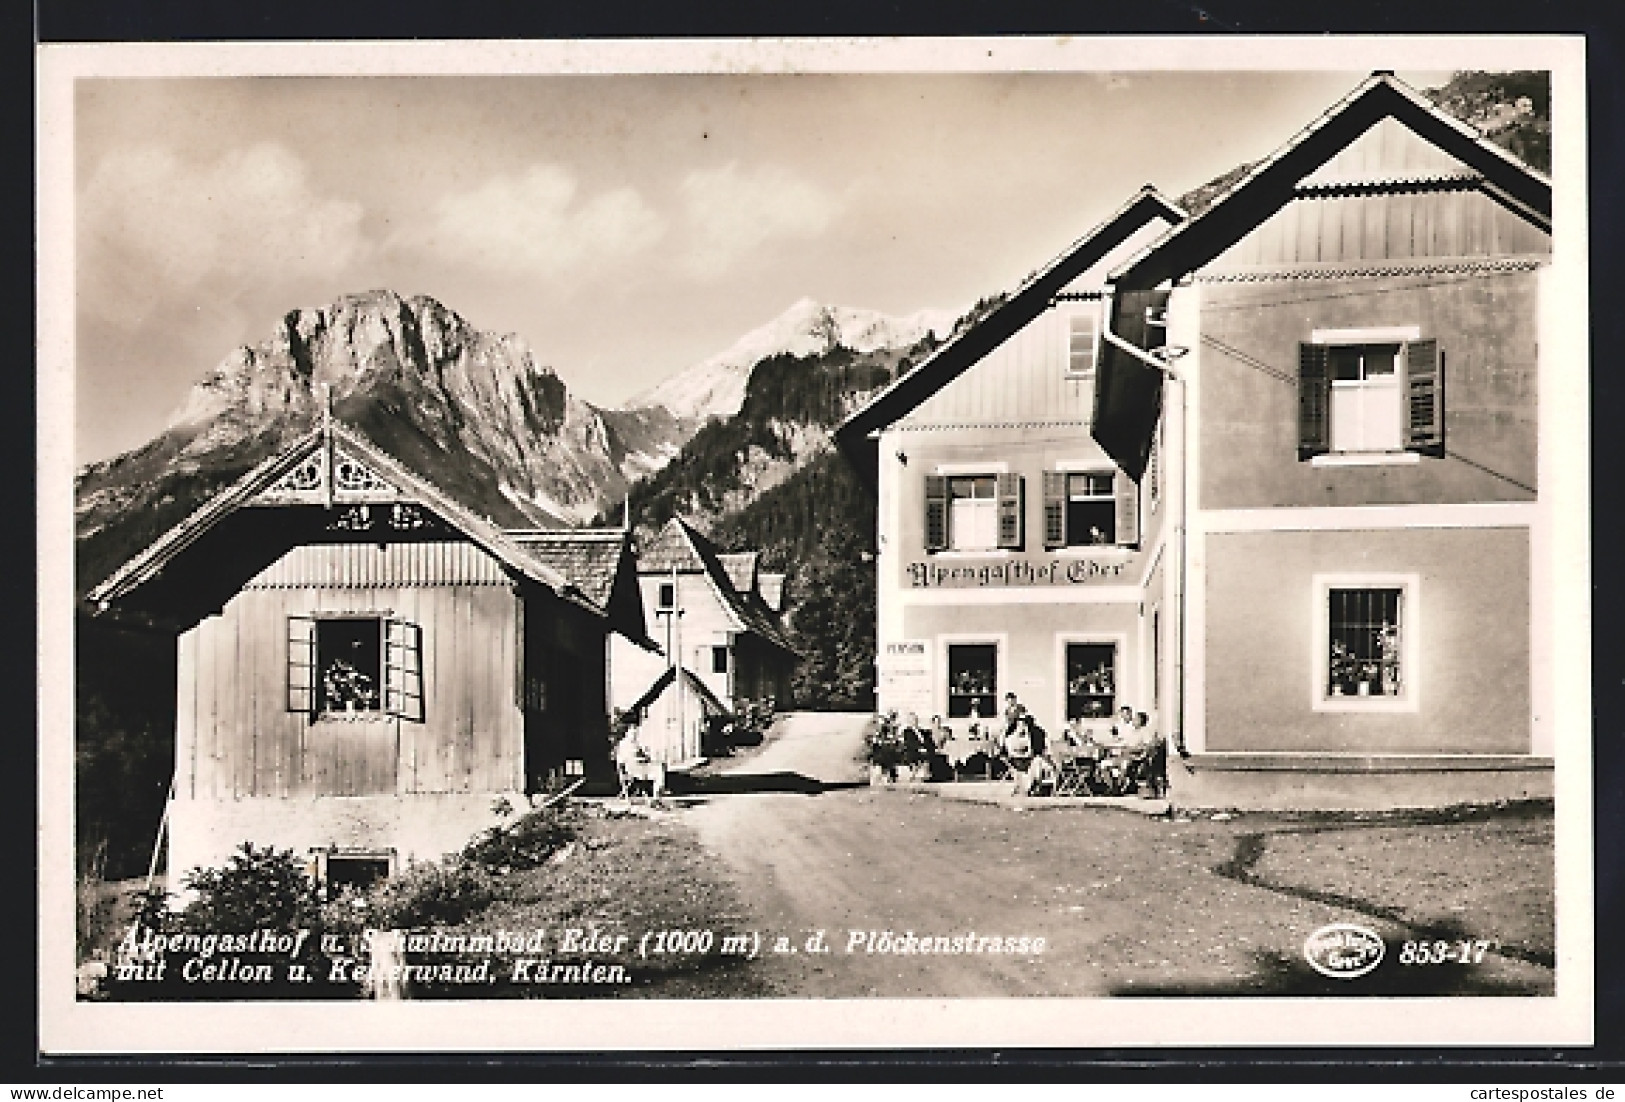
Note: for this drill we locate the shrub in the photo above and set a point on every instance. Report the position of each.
(883, 744)
(256, 888)
(442, 893)
(524, 844)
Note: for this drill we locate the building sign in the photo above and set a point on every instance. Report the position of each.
(1016, 572)
(905, 676)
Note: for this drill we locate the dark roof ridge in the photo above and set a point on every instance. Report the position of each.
(1380, 95)
(480, 530)
(1031, 297)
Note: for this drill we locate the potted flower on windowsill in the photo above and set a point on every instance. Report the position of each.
(1341, 669)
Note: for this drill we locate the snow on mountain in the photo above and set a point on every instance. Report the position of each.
(716, 386)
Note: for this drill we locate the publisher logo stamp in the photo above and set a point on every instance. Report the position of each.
(1343, 950)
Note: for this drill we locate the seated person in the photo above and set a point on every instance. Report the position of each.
(1024, 753)
(1064, 745)
(916, 743)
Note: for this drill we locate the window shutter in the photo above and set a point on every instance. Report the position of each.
(302, 665)
(1314, 401)
(1424, 393)
(519, 651)
(1153, 468)
(1128, 510)
(1011, 500)
(403, 670)
(936, 512)
(1054, 509)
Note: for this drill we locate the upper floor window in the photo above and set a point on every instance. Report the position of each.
(973, 512)
(666, 600)
(355, 665)
(1082, 341)
(1370, 393)
(1090, 509)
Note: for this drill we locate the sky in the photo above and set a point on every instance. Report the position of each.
(625, 225)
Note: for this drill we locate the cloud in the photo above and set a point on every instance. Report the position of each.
(533, 224)
(151, 226)
(733, 212)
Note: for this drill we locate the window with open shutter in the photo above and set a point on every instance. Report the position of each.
(403, 670)
(936, 512)
(1054, 509)
(1424, 393)
(1128, 510)
(1011, 502)
(1314, 401)
(302, 664)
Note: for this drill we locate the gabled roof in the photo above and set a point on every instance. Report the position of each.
(1127, 391)
(673, 548)
(660, 684)
(771, 587)
(484, 534)
(973, 344)
(741, 568)
(681, 547)
(1270, 184)
(589, 557)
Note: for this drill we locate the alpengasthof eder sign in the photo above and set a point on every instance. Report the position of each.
(1016, 572)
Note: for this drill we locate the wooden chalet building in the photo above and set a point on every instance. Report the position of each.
(1331, 587)
(714, 614)
(365, 666)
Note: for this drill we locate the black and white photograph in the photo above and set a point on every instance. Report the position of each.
(811, 543)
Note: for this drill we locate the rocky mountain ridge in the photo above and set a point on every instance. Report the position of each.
(715, 387)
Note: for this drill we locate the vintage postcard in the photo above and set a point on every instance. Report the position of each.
(814, 543)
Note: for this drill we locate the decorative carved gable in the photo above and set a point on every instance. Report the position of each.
(328, 475)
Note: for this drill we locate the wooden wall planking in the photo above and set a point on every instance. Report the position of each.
(186, 716)
(369, 565)
(241, 741)
(1404, 226)
(1024, 380)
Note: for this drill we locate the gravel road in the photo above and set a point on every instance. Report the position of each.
(1125, 904)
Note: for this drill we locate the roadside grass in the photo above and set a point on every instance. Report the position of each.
(624, 872)
(1194, 905)
(1486, 876)
(1454, 875)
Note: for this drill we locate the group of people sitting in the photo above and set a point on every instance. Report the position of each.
(1114, 759)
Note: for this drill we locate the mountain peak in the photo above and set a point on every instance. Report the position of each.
(412, 370)
(716, 386)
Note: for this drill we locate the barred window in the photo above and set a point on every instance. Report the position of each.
(973, 680)
(1364, 651)
(1091, 680)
